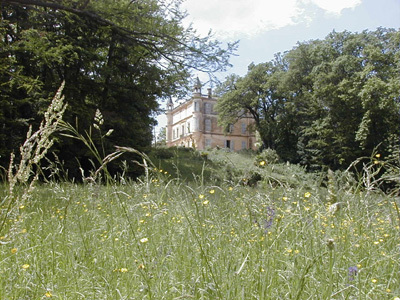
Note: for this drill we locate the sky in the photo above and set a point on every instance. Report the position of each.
(267, 27)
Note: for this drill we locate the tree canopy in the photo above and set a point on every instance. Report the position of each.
(325, 102)
(120, 57)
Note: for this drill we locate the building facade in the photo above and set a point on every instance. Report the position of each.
(194, 123)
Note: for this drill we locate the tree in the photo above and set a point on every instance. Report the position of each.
(325, 102)
(257, 93)
(117, 56)
(162, 137)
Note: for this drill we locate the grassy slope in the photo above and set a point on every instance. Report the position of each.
(168, 238)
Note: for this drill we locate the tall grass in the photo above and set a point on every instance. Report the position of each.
(166, 240)
(267, 230)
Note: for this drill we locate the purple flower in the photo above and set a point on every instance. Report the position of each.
(268, 221)
(353, 271)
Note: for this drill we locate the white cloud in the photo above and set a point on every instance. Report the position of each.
(238, 18)
(336, 6)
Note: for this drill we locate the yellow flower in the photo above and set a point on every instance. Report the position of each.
(201, 196)
(144, 240)
(378, 155)
(141, 266)
(124, 270)
(212, 191)
(307, 195)
(374, 280)
(48, 294)
(262, 163)
(205, 202)
(14, 250)
(25, 266)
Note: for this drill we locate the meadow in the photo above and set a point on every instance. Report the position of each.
(213, 225)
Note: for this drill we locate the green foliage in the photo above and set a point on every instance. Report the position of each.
(267, 156)
(117, 56)
(326, 102)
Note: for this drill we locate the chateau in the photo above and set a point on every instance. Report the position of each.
(194, 123)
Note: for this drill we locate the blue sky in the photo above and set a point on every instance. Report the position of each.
(266, 27)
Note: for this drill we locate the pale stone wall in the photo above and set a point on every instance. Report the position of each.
(195, 124)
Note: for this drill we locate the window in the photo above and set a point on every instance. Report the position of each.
(188, 127)
(244, 128)
(207, 108)
(208, 143)
(207, 125)
(196, 106)
(244, 145)
(229, 128)
(183, 130)
(230, 144)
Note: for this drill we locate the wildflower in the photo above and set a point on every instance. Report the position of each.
(141, 266)
(212, 191)
(14, 250)
(353, 271)
(335, 207)
(330, 243)
(201, 196)
(269, 220)
(48, 294)
(374, 280)
(307, 195)
(144, 240)
(25, 266)
(262, 163)
(123, 270)
(378, 155)
(205, 202)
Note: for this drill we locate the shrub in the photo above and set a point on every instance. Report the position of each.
(267, 156)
